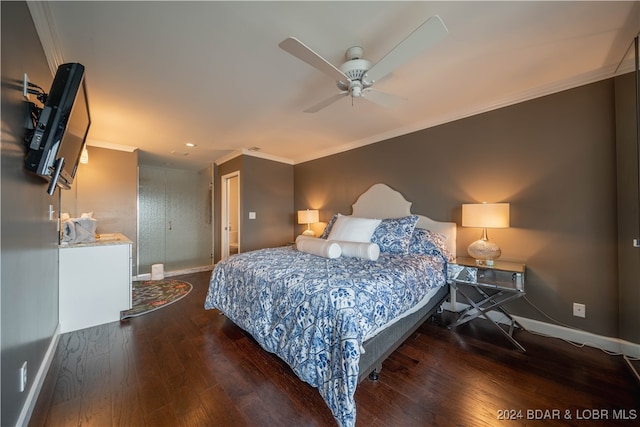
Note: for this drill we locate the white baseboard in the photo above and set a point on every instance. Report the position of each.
(147, 276)
(38, 381)
(576, 336)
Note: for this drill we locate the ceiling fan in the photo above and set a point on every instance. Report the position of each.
(356, 76)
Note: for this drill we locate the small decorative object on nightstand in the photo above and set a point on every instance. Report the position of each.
(308, 217)
(497, 285)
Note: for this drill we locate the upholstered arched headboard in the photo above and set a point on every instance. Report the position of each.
(381, 201)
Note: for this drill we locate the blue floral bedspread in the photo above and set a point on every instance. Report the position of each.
(313, 312)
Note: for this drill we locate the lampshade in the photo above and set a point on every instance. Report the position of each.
(308, 216)
(485, 215)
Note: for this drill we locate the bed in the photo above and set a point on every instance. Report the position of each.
(334, 320)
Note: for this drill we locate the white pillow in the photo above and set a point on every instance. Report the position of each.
(319, 247)
(353, 229)
(368, 251)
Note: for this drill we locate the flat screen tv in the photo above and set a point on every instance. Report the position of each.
(61, 130)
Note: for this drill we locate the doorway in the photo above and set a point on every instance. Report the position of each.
(230, 214)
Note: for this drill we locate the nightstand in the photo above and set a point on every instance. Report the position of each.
(497, 285)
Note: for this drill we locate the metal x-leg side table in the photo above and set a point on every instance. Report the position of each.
(497, 285)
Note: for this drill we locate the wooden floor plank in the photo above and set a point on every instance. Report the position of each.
(186, 366)
(63, 414)
(126, 410)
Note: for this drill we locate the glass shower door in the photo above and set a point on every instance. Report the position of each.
(174, 219)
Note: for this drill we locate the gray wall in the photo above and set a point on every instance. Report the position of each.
(266, 187)
(553, 159)
(108, 187)
(29, 254)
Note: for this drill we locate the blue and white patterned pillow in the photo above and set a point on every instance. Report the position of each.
(327, 229)
(427, 242)
(394, 235)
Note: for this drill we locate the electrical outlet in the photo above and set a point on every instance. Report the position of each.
(23, 377)
(579, 310)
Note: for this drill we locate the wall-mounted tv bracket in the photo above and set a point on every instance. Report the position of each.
(33, 111)
(29, 88)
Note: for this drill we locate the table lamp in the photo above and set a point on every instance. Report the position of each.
(308, 216)
(485, 215)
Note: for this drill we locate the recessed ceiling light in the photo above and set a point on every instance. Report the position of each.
(190, 144)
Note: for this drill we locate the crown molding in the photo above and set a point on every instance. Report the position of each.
(252, 153)
(266, 156)
(110, 145)
(45, 27)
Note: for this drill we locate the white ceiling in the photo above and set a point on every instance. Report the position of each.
(161, 74)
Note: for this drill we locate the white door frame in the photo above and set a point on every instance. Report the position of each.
(224, 217)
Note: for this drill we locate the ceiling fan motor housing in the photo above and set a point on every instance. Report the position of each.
(354, 69)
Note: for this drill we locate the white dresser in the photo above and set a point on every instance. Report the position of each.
(95, 282)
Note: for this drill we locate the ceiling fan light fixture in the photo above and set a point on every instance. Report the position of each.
(356, 89)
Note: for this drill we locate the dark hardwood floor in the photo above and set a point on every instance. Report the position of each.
(186, 366)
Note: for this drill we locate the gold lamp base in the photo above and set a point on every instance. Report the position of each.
(308, 232)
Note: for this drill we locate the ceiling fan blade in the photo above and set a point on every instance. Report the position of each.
(429, 33)
(301, 51)
(382, 98)
(319, 106)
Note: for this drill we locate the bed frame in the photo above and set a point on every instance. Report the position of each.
(381, 201)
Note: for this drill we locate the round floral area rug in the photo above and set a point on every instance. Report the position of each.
(151, 295)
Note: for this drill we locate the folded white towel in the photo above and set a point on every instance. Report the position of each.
(369, 251)
(79, 230)
(319, 247)
(68, 231)
(85, 230)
